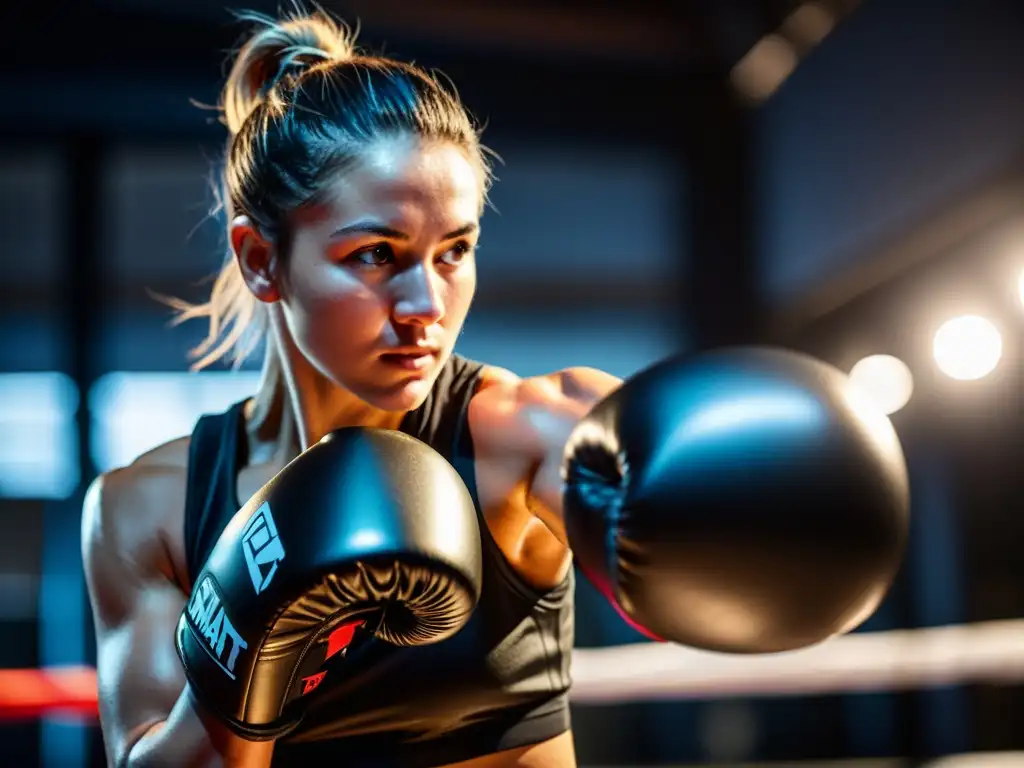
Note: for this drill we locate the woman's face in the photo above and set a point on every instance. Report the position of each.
(380, 277)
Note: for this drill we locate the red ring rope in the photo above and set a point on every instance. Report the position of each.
(987, 652)
(62, 691)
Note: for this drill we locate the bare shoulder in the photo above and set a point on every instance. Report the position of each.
(520, 427)
(532, 416)
(135, 514)
(580, 384)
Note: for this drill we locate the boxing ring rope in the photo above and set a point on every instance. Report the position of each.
(26, 694)
(986, 652)
(990, 652)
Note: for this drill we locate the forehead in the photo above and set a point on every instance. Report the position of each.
(401, 177)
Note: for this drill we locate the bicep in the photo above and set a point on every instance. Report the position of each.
(545, 497)
(135, 611)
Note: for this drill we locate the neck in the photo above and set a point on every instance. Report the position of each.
(295, 407)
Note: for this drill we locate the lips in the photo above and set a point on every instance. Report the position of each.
(410, 361)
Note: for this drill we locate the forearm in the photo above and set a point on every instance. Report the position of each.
(188, 737)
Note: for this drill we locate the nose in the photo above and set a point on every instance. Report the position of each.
(418, 296)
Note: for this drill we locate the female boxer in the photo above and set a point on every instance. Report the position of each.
(354, 187)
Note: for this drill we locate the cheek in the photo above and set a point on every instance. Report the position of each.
(330, 309)
(461, 289)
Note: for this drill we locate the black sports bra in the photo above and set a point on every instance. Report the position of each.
(500, 683)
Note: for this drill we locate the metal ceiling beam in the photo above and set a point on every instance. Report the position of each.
(934, 240)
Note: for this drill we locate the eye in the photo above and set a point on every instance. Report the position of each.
(377, 255)
(457, 253)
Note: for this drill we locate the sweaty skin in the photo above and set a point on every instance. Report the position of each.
(135, 563)
(387, 264)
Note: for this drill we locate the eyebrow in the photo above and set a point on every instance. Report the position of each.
(394, 234)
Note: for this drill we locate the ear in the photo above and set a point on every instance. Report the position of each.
(257, 259)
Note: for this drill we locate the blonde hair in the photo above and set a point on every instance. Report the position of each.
(300, 103)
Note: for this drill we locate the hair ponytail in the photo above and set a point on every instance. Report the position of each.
(279, 52)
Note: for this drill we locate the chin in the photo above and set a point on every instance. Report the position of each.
(407, 395)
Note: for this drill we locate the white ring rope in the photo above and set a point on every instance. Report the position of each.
(990, 652)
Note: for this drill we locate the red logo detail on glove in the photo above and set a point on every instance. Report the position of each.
(312, 682)
(340, 638)
(337, 642)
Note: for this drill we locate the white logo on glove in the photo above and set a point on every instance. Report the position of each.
(262, 547)
(211, 623)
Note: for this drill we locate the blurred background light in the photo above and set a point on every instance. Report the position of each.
(967, 348)
(38, 455)
(885, 379)
(133, 412)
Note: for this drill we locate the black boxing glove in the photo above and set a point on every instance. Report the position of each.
(367, 528)
(744, 500)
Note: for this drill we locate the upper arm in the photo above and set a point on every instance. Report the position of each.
(530, 421)
(135, 603)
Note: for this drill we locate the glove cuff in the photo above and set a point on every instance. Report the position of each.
(266, 732)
